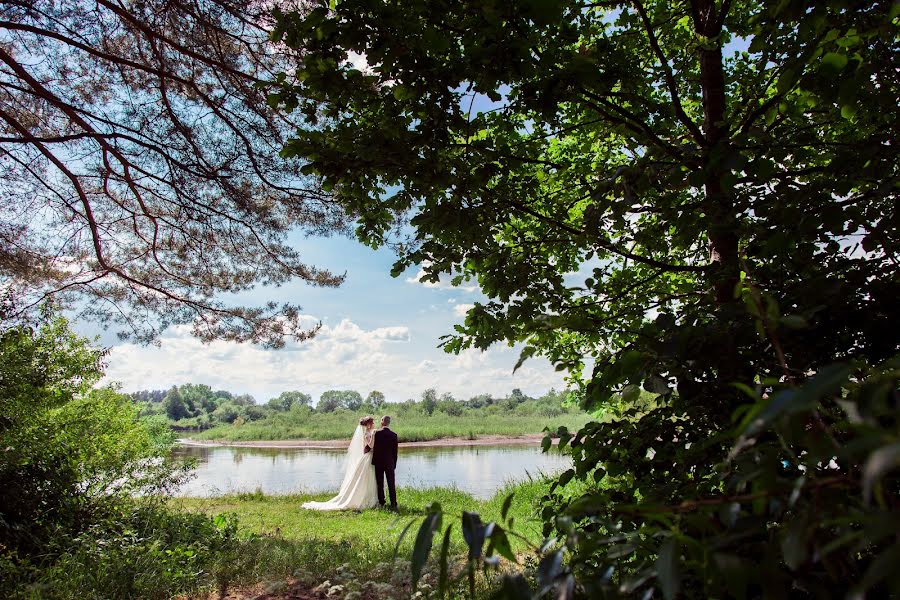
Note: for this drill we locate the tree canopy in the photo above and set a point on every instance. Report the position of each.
(140, 170)
(699, 198)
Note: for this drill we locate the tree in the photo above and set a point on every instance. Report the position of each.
(71, 447)
(333, 399)
(449, 405)
(286, 400)
(244, 400)
(686, 196)
(226, 412)
(375, 399)
(479, 401)
(198, 397)
(176, 407)
(141, 134)
(352, 400)
(429, 401)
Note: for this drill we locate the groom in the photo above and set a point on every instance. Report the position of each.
(384, 457)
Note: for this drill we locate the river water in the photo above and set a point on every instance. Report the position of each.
(478, 470)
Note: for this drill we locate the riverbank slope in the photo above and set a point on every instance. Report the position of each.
(530, 439)
(327, 430)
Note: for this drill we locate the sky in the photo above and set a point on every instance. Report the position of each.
(378, 333)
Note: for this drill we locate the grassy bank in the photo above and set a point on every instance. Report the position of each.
(412, 427)
(355, 550)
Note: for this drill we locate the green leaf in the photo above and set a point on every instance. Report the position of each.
(546, 443)
(794, 322)
(630, 393)
(500, 543)
(548, 570)
(787, 80)
(668, 571)
(443, 577)
(527, 352)
(566, 477)
(879, 462)
(793, 543)
(507, 503)
(657, 385)
(848, 111)
(422, 545)
(473, 533)
(834, 62)
(794, 400)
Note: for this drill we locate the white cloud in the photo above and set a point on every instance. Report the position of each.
(359, 62)
(343, 356)
(443, 284)
(460, 310)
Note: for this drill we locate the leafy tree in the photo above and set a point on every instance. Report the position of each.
(286, 400)
(479, 401)
(198, 397)
(375, 399)
(254, 413)
(449, 405)
(147, 211)
(352, 400)
(176, 407)
(686, 196)
(429, 401)
(226, 412)
(244, 400)
(331, 400)
(71, 449)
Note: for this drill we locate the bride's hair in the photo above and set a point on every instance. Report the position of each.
(366, 420)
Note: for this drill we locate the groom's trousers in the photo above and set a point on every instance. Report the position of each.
(380, 474)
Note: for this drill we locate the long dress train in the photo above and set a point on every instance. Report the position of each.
(358, 490)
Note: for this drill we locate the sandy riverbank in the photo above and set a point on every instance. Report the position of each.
(532, 439)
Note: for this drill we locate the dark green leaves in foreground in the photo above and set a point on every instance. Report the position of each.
(422, 547)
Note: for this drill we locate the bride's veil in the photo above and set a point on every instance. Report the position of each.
(354, 453)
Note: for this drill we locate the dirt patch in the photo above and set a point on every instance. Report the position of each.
(287, 590)
(531, 439)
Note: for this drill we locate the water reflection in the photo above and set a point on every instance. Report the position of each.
(478, 470)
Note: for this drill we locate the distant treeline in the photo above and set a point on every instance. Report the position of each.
(198, 406)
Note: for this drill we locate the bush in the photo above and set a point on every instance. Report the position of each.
(75, 459)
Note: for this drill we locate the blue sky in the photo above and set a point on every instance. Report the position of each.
(378, 332)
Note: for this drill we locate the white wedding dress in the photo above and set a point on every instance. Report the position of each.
(358, 490)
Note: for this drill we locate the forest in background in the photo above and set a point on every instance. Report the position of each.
(199, 411)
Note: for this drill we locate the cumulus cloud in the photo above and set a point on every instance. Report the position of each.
(443, 284)
(460, 310)
(342, 356)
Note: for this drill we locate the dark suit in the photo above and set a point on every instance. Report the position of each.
(384, 457)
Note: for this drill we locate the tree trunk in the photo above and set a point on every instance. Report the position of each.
(718, 202)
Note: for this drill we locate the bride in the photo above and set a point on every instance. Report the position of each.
(358, 489)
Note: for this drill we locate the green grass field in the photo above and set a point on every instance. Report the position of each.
(411, 427)
(356, 549)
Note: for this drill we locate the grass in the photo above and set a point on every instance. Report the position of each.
(356, 549)
(411, 427)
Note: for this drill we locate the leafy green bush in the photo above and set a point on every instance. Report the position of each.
(80, 475)
(802, 501)
(140, 550)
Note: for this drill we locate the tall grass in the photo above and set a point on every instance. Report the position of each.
(411, 427)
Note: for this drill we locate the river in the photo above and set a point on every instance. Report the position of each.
(478, 470)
